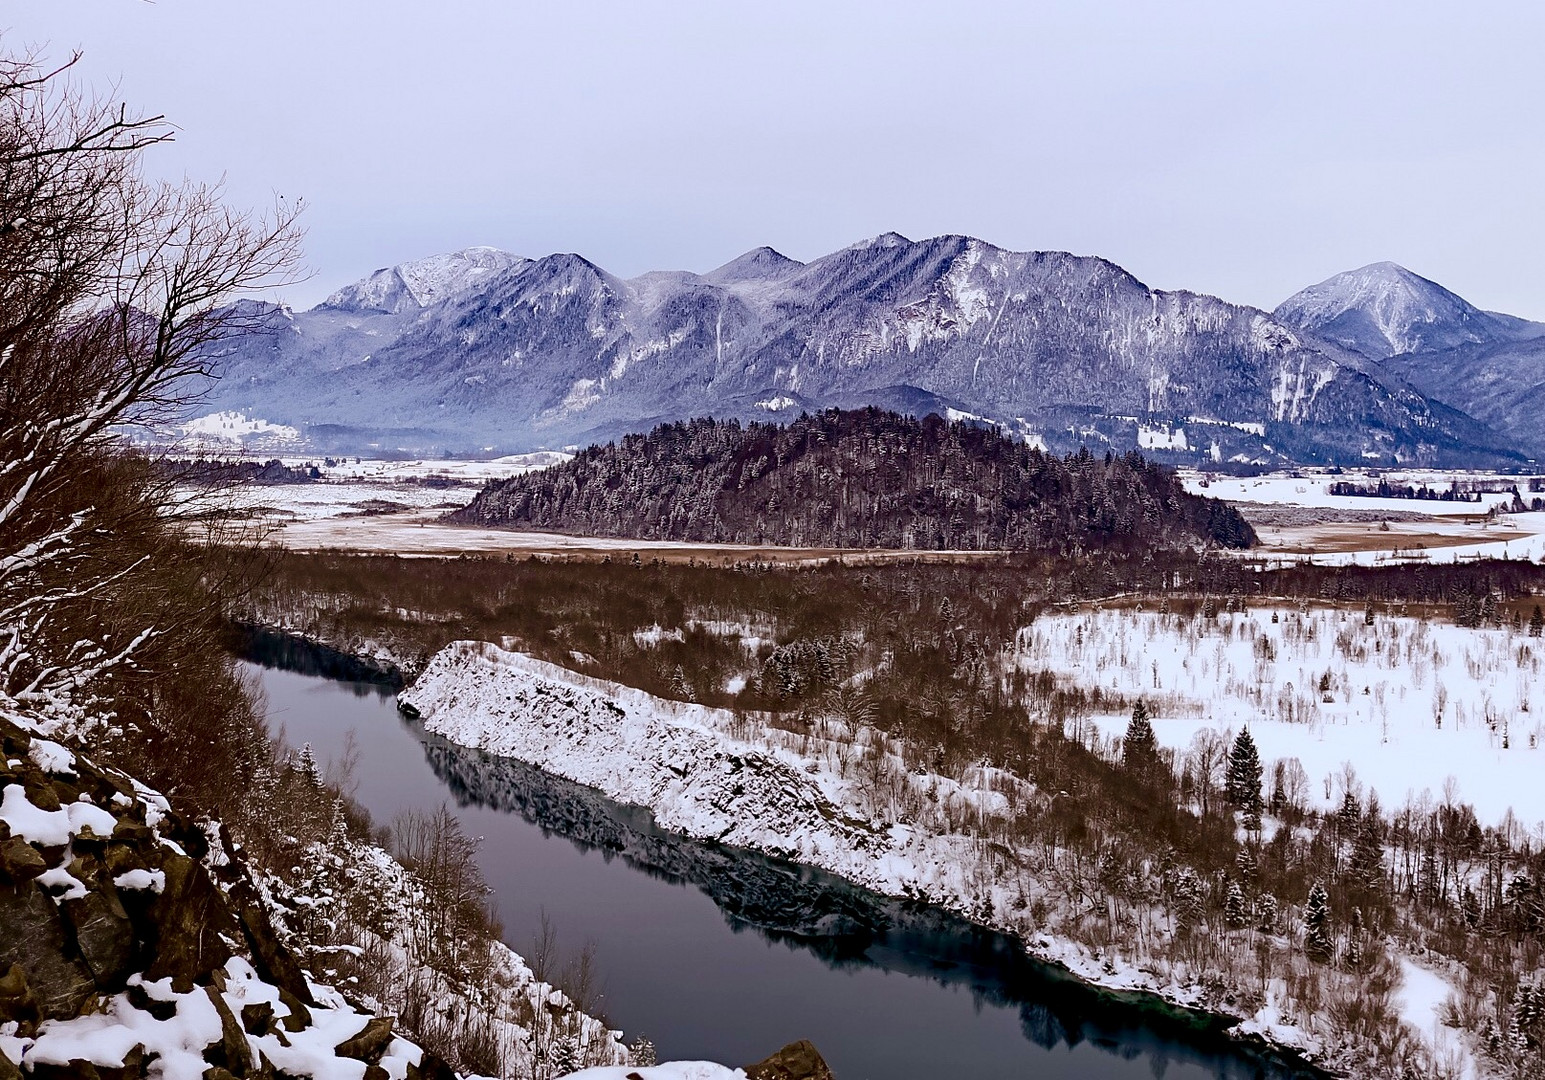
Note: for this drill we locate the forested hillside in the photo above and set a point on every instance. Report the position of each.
(857, 479)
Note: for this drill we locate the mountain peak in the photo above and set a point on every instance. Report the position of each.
(1383, 309)
(758, 263)
(413, 285)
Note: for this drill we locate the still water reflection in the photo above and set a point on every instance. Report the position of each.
(724, 955)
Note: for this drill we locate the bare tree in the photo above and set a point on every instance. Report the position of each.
(111, 289)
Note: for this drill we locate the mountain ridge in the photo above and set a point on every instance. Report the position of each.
(1061, 349)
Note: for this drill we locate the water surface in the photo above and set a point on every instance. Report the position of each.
(723, 955)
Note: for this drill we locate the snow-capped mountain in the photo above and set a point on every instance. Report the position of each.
(492, 351)
(1384, 309)
(414, 285)
(1486, 364)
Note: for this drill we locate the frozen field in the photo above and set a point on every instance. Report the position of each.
(1413, 707)
(1369, 531)
(355, 489)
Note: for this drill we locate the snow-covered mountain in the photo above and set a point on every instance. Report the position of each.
(1483, 363)
(487, 351)
(414, 285)
(1383, 309)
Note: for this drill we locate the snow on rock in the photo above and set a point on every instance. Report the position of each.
(1407, 702)
(178, 1042)
(51, 757)
(675, 758)
(142, 880)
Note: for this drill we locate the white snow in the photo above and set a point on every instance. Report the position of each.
(1162, 437)
(178, 1043)
(228, 429)
(51, 757)
(48, 828)
(1389, 684)
(142, 880)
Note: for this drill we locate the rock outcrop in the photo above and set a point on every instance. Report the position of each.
(133, 941)
(796, 1061)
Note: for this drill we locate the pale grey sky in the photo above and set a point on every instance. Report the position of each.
(1241, 148)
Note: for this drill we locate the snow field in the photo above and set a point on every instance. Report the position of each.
(1418, 709)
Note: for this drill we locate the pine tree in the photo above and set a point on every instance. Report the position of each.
(1139, 750)
(1266, 914)
(1354, 953)
(1318, 943)
(642, 1053)
(1537, 622)
(1244, 775)
(1367, 863)
(1235, 911)
(1245, 863)
(1187, 891)
(567, 1057)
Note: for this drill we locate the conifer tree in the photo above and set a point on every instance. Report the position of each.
(1318, 943)
(1266, 913)
(1235, 911)
(1244, 775)
(1537, 622)
(1139, 750)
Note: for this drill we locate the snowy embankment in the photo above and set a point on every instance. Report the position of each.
(1416, 709)
(829, 802)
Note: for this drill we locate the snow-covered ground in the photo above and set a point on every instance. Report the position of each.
(1308, 487)
(1417, 530)
(349, 487)
(226, 431)
(1411, 705)
(838, 800)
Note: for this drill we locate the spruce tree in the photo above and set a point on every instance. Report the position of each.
(1140, 750)
(1318, 943)
(1537, 622)
(1244, 775)
(1235, 912)
(1266, 914)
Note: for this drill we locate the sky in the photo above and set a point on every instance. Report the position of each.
(1244, 149)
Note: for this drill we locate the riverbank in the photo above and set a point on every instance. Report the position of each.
(723, 779)
(711, 950)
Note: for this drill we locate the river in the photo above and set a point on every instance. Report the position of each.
(722, 955)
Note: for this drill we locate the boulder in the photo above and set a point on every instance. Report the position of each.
(191, 925)
(796, 1061)
(103, 934)
(370, 1043)
(33, 936)
(17, 1005)
(232, 1052)
(20, 861)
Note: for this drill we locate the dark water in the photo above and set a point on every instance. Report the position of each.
(724, 955)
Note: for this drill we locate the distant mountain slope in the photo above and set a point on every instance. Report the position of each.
(1487, 365)
(859, 479)
(1383, 309)
(1063, 350)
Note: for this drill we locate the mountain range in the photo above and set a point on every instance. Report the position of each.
(487, 352)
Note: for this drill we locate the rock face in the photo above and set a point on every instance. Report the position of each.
(1062, 350)
(796, 1061)
(112, 904)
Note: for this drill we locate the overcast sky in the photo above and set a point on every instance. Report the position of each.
(1240, 148)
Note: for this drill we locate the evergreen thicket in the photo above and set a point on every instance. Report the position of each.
(858, 479)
